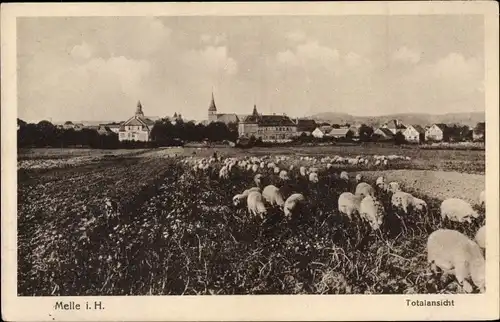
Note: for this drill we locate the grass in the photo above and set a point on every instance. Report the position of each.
(173, 231)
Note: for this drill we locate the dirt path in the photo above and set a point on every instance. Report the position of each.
(437, 184)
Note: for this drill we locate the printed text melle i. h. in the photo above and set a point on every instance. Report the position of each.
(96, 305)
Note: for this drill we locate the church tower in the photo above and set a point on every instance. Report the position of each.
(212, 110)
(138, 111)
(254, 113)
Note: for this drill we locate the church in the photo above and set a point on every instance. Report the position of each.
(224, 118)
(136, 128)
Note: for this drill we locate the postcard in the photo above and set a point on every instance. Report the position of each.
(250, 161)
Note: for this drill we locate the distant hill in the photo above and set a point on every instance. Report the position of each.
(470, 119)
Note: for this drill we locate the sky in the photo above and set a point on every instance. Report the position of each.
(97, 68)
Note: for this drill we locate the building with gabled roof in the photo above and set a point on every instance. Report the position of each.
(269, 128)
(435, 132)
(225, 118)
(394, 126)
(384, 133)
(136, 128)
(414, 133)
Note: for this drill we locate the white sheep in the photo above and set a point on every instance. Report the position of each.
(224, 173)
(258, 179)
(359, 177)
(364, 189)
(328, 166)
(313, 177)
(273, 195)
(394, 187)
(480, 237)
(291, 167)
(255, 167)
(237, 199)
(344, 176)
(262, 165)
(380, 181)
(292, 203)
(420, 205)
(313, 170)
(403, 200)
(455, 253)
(349, 204)
(372, 211)
(283, 175)
(458, 210)
(271, 165)
(255, 204)
(276, 170)
(377, 162)
(302, 171)
(482, 199)
(386, 162)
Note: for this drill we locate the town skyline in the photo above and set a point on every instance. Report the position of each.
(98, 68)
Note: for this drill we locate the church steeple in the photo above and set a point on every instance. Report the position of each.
(138, 111)
(254, 113)
(212, 107)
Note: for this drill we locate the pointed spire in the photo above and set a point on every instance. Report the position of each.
(212, 107)
(138, 111)
(255, 110)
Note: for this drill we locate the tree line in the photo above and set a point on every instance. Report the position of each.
(167, 133)
(163, 133)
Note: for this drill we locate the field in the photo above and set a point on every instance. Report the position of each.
(147, 224)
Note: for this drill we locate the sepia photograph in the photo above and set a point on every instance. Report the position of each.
(251, 154)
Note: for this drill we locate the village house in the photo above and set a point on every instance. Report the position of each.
(414, 133)
(225, 118)
(384, 133)
(394, 126)
(305, 126)
(268, 128)
(114, 127)
(320, 132)
(136, 128)
(435, 132)
(338, 133)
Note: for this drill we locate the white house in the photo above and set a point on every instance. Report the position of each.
(136, 128)
(413, 133)
(319, 133)
(435, 132)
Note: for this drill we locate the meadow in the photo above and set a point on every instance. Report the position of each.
(147, 224)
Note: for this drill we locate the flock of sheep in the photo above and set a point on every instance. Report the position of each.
(449, 250)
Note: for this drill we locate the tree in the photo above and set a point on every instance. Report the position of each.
(480, 131)
(349, 135)
(399, 138)
(365, 133)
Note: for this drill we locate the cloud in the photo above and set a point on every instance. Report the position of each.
(296, 36)
(355, 60)
(308, 55)
(213, 39)
(82, 51)
(212, 60)
(406, 55)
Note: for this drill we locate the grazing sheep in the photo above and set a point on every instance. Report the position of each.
(273, 196)
(455, 253)
(302, 171)
(482, 199)
(283, 175)
(480, 237)
(313, 170)
(377, 162)
(402, 200)
(262, 165)
(237, 199)
(328, 166)
(258, 179)
(255, 204)
(380, 181)
(349, 204)
(249, 167)
(458, 210)
(359, 177)
(372, 211)
(313, 177)
(291, 167)
(420, 205)
(386, 162)
(255, 167)
(276, 170)
(224, 173)
(364, 189)
(344, 176)
(394, 187)
(271, 165)
(292, 203)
